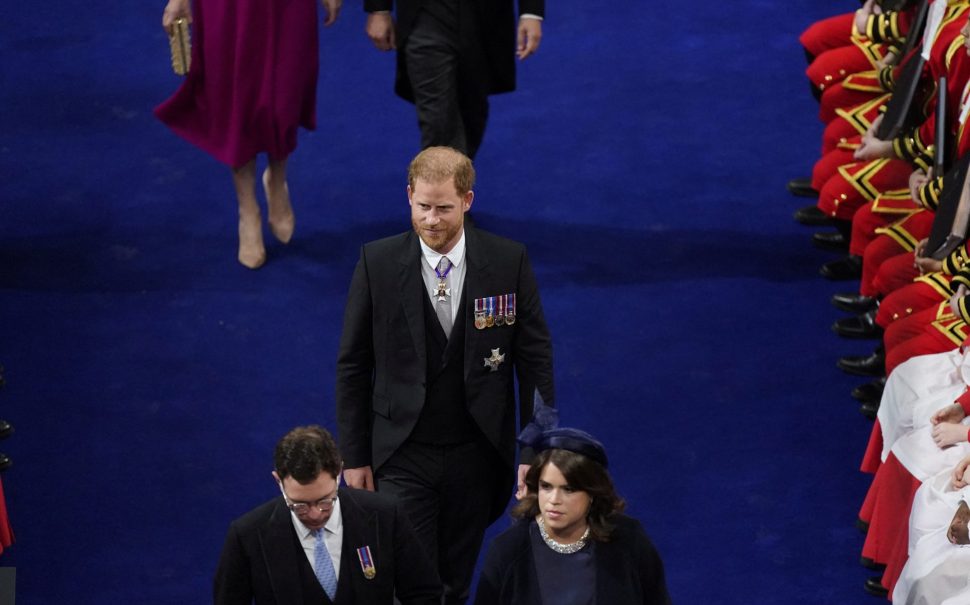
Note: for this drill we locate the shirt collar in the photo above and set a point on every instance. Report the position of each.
(334, 523)
(455, 256)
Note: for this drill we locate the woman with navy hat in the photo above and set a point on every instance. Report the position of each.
(571, 545)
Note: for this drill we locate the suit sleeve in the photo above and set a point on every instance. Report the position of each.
(415, 579)
(533, 349)
(372, 6)
(532, 7)
(233, 584)
(355, 372)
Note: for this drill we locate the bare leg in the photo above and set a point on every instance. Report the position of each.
(282, 221)
(252, 254)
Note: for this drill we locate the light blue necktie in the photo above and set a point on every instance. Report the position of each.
(323, 566)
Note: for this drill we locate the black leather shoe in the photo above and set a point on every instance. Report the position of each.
(812, 216)
(5, 462)
(831, 241)
(869, 409)
(848, 267)
(864, 365)
(860, 326)
(874, 587)
(850, 302)
(870, 392)
(6, 429)
(801, 188)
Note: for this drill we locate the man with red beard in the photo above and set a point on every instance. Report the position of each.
(439, 323)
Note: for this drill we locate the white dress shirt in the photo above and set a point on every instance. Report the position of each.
(333, 537)
(455, 278)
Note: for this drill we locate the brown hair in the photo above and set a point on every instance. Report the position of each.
(439, 164)
(583, 474)
(305, 452)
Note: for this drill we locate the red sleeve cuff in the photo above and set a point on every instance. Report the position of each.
(964, 402)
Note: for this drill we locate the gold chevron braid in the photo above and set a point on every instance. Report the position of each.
(861, 180)
(900, 235)
(180, 44)
(858, 115)
(939, 284)
(953, 329)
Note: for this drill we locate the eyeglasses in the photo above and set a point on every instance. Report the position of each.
(324, 505)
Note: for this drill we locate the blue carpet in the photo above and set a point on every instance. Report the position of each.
(642, 160)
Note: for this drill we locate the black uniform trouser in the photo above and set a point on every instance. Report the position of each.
(447, 492)
(448, 75)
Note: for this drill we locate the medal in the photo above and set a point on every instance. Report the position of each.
(490, 315)
(510, 311)
(480, 313)
(442, 291)
(500, 317)
(493, 362)
(366, 562)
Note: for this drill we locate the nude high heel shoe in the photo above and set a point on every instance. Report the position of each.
(282, 221)
(252, 253)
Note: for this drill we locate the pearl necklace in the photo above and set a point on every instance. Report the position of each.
(563, 549)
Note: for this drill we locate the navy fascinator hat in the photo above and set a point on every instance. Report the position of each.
(544, 433)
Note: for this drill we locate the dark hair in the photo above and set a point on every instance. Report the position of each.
(305, 452)
(583, 474)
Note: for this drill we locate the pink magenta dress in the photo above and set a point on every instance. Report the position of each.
(252, 80)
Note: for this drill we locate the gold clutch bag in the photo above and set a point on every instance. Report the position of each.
(181, 45)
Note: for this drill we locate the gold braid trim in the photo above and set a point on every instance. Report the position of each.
(938, 282)
(956, 260)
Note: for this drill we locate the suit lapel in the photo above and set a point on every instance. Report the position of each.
(280, 553)
(360, 529)
(411, 286)
(477, 278)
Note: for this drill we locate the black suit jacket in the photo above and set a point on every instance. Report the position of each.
(262, 560)
(493, 20)
(381, 366)
(628, 569)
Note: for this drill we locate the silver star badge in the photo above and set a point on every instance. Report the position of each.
(493, 362)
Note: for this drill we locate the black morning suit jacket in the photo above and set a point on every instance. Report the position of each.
(495, 19)
(263, 562)
(628, 569)
(382, 367)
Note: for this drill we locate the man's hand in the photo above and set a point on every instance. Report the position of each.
(529, 35)
(380, 30)
(922, 262)
(873, 148)
(175, 9)
(917, 180)
(359, 478)
(926, 265)
(862, 15)
(332, 9)
(886, 61)
(959, 478)
(955, 299)
(520, 488)
(957, 534)
(951, 413)
(948, 433)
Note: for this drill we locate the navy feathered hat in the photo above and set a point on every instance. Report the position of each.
(544, 433)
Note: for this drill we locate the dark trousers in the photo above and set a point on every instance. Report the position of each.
(446, 491)
(449, 79)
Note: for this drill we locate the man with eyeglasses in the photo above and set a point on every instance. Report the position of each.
(320, 543)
